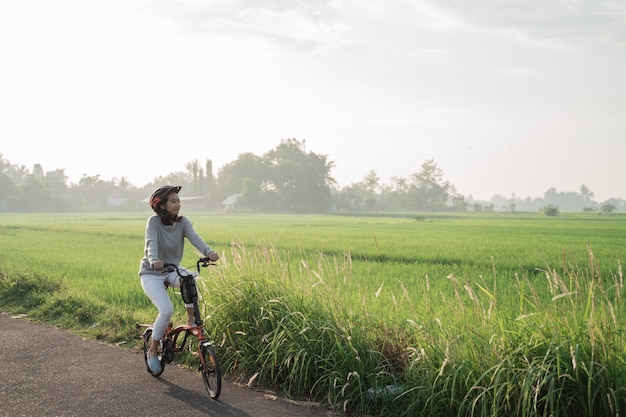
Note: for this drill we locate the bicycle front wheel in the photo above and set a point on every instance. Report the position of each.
(210, 368)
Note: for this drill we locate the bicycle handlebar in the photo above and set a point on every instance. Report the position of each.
(201, 263)
(204, 262)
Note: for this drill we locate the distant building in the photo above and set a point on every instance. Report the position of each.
(116, 199)
(232, 202)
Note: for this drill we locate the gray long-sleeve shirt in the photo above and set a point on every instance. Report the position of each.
(167, 243)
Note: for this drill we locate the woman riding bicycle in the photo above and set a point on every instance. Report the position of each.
(165, 241)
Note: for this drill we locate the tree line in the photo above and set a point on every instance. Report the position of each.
(287, 178)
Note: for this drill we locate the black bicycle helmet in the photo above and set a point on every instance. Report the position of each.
(160, 194)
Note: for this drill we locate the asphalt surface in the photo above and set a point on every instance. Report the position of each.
(47, 371)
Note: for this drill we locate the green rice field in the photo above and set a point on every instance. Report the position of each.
(383, 314)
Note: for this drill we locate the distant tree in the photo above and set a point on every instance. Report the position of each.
(607, 208)
(511, 207)
(195, 172)
(42, 191)
(92, 191)
(230, 177)
(458, 202)
(55, 182)
(175, 178)
(350, 197)
(395, 196)
(122, 183)
(551, 210)
(371, 182)
(33, 196)
(7, 187)
(210, 181)
(585, 193)
(618, 203)
(301, 179)
(372, 187)
(569, 201)
(250, 193)
(38, 171)
(428, 191)
(362, 195)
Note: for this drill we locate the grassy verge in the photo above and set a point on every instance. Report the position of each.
(556, 349)
(46, 300)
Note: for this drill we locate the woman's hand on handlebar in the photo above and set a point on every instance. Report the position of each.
(213, 256)
(157, 265)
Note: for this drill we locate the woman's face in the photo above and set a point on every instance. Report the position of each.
(172, 205)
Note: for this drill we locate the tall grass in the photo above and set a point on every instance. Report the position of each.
(557, 349)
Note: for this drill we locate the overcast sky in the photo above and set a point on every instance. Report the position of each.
(506, 96)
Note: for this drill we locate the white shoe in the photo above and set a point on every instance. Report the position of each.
(154, 364)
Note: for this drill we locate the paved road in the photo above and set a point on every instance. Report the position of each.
(48, 371)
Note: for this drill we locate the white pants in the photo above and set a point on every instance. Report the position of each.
(154, 287)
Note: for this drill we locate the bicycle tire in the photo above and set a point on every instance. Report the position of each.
(147, 340)
(210, 369)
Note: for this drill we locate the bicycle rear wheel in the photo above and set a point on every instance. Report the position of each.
(210, 368)
(147, 340)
